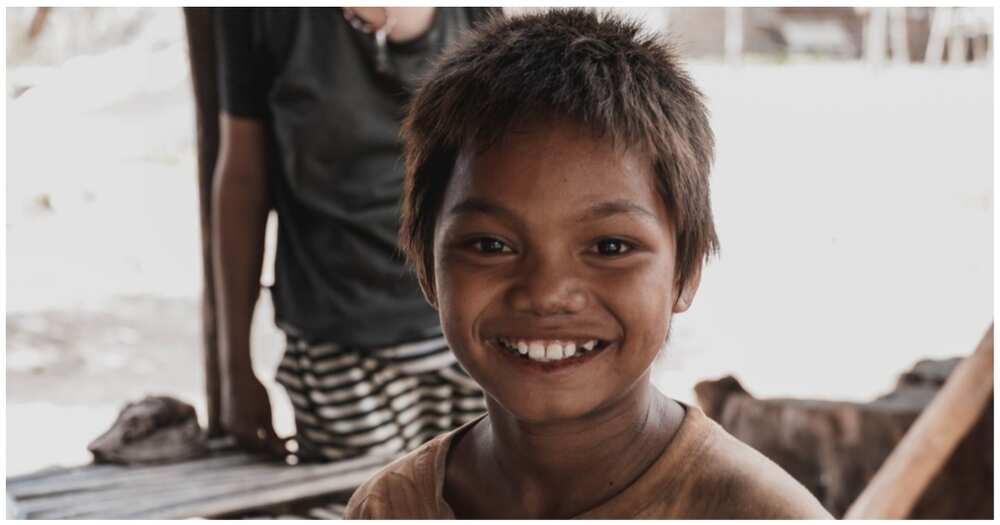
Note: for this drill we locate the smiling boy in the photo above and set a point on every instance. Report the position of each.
(557, 212)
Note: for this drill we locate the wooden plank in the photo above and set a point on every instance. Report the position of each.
(155, 487)
(84, 480)
(223, 444)
(219, 447)
(334, 477)
(53, 471)
(13, 512)
(928, 444)
(190, 492)
(163, 487)
(328, 512)
(183, 497)
(260, 498)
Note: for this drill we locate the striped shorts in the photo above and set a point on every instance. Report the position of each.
(351, 401)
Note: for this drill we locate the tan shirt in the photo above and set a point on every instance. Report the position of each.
(703, 473)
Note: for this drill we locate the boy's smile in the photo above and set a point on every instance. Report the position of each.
(554, 265)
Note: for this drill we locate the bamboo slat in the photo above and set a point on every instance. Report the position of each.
(928, 444)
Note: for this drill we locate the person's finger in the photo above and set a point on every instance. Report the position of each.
(270, 443)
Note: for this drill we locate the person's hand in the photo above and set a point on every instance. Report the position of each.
(246, 415)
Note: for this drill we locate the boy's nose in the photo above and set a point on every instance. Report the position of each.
(548, 288)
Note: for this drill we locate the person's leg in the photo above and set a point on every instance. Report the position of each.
(351, 402)
(291, 376)
(445, 398)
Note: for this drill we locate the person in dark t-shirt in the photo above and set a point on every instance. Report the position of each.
(312, 101)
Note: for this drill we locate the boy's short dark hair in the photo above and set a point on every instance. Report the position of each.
(596, 70)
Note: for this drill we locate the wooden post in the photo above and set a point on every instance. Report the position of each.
(875, 35)
(928, 444)
(940, 27)
(957, 47)
(201, 50)
(900, 44)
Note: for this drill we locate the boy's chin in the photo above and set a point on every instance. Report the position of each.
(536, 411)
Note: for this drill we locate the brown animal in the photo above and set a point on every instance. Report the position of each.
(158, 429)
(834, 448)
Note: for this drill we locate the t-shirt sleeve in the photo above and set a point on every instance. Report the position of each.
(743, 483)
(363, 508)
(242, 85)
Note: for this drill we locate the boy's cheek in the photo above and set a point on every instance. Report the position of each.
(461, 300)
(649, 292)
(467, 284)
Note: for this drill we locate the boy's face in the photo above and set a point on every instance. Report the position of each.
(549, 240)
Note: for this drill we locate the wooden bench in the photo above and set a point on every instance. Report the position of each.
(227, 482)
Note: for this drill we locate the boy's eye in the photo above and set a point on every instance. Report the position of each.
(612, 247)
(490, 245)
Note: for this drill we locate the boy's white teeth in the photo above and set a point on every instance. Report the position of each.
(538, 350)
(553, 351)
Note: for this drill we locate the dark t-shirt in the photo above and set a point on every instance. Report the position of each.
(336, 175)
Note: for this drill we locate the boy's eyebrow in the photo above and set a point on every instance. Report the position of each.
(595, 212)
(605, 209)
(477, 205)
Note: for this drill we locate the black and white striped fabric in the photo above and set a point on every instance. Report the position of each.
(351, 402)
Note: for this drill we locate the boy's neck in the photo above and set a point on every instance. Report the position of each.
(562, 469)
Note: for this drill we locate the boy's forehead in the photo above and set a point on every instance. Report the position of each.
(556, 140)
(549, 163)
(545, 124)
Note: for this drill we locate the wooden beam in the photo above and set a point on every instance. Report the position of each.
(940, 27)
(899, 42)
(201, 50)
(928, 444)
(123, 476)
(262, 497)
(209, 493)
(227, 483)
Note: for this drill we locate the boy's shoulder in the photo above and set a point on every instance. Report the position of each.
(726, 478)
(407, 487)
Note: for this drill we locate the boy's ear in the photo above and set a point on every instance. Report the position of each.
(686, 295)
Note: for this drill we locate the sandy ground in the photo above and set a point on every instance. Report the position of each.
(854, 208)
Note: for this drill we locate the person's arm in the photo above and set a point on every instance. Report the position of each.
(241, 202)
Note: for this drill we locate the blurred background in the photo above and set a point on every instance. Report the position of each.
(853, 195)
